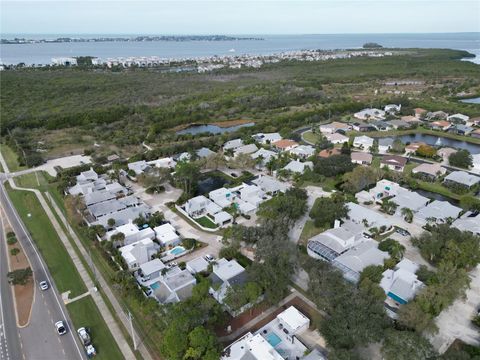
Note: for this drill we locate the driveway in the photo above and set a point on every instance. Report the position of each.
(455, 321)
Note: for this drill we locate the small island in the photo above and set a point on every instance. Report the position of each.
(149, 38)
(372, 45)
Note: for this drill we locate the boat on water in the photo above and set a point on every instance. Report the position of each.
(231, 50)
(438, 142)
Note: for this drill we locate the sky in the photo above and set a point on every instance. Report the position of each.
(238, 17)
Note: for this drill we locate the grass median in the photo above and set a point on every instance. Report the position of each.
(84, 313)
(11, 158)
(59, 263)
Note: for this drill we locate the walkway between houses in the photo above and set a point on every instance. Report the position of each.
(102, 307)
(237, 333)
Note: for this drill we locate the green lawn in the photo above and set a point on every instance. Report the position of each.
(11, 158)
(84, 313)
(38, 180)
(46, 238)
(310, 137)
(309, 230)
(206, 222)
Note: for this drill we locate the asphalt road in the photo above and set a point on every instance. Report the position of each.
(38, 340)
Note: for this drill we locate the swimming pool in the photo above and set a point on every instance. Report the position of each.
(177, 250)
(273, 339)
(155, 285)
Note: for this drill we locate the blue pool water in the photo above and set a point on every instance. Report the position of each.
(155, 285)
(177, 250)
(273, 339)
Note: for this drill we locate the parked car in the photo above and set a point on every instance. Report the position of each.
(403, 232)
(172, 264)
(44, 285)
(61, 329)
(84, 335)
(209, 258)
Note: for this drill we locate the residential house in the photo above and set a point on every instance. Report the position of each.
(461, 178)
(167, 235)
(150, 271)
(394, 162)
(461, 129)
(475, 121)
(232, 144)
(163, 163)
(296, 166)
(420, 113)
(285, 144)
(475, 133)
(132, 233)
(270, 185)
(331, 243)
(361, 158)
(222, 218)
(337, 138)
(381, 125)
(267, 138)
(108, 207)
(121, 217)
(199, 153)
(277, 340)
(440, 125)
(138, 253)
(458, 118)
(362, 127)
(198, 206)
(367, 217)
(197, 265)
(436, 115)
(363, 142)
(326, 153)
(413, 147)
(98, 197)
(445, 153)
(245, 149)
(370, 114)
(87, 176)
(406, 199)
(438, 212)
(174, 286)
(85, 187)
(400, 285)
(393, 108)
(383, 189)
(429, 171)
(412, 120)
(265, 155)
(138, 167)
(385, 145)
(225, 274)
(468, 222)
(303, 151)
(400, 124)
(333, 127)
(357, 258)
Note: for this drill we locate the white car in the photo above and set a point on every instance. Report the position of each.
(209, 258)
(43, 285)
(61, 329)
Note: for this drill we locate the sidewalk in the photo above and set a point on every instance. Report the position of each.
(102, 307)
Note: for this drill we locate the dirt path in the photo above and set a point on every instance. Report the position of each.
(23, 294)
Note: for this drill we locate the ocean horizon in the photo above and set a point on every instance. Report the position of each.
(42, 53)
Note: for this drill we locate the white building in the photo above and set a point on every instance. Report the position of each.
(267, 138)
(303, 151)
(270, 185)
(296, 166)
(393, 108)
(363, 142)
(437, 212)
(167, 235)
(132, 233)
(337, 138)
(233, 144)
(138, 167)
(370, 114)
(245, 149)
(138, 253)
(226, 274)
(197, 265)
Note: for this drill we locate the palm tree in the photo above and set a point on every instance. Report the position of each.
(407, 214)
(397, 251)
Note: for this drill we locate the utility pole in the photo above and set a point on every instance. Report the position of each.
(131, 329)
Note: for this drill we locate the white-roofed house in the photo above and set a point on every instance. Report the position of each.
(197, 265)
(303, 151)
(429, 171)
(296, 166)
(385, 145)
(167, 235)
(245, 149)
(165, 163)
(267, 138)
(150, 271)
(462, 179)
(223, 197)
(265, 155)
(458, 118)
(409, 200)
(87, 176)
(337, 138)
(138, 253)
(370, 114)
(138, 167)
(393, 108)
(438, 212)
(270, 185)
(334, 127)
(232, 144)
(367, 217)
(225, 274)
(132, 233)
(222, 218)
(174, 286)
(197, 206)
(468, 222)
(400, 285)
(363, 142)
(358, 257)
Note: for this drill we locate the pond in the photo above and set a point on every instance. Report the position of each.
(209, 182)
(436, 196)
(213, 129)
(440, 141)
(471, 101)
